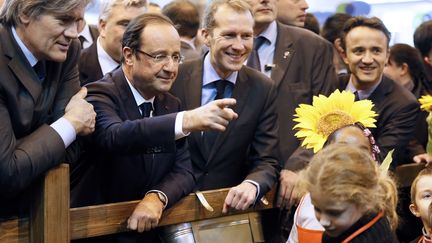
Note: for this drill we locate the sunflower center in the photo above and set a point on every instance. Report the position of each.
(332, 121)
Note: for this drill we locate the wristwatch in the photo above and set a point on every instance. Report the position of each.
(161, 198)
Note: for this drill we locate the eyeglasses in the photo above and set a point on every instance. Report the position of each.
(161, 58)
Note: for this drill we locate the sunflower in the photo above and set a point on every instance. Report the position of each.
(426, 103)
(326, 114)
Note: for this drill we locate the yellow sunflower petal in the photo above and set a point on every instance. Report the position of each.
(326, 114)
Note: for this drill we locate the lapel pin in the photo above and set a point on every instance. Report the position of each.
(286, 54)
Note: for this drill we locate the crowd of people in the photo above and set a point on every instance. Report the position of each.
(155, 103)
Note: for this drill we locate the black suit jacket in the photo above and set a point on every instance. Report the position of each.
(137, 154)
(29, 146)
(397, 110)
(89, 66)
(304, 68)
(248, 147)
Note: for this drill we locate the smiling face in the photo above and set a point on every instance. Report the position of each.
(334, 215)
(49, 36)
(149, 77)
(366, 54)
(230, 41)
(292, 12)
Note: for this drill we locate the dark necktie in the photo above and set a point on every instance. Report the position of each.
(254, 60)
(356, 95)
(39, 69)
(81, 39)
(209, 137)
(146, 109)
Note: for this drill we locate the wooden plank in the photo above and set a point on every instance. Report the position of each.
(112, 218)
(14, 231)
(405, 174)
(49, 215)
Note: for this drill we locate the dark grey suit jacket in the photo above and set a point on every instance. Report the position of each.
(304, 68)
(29, 146)
(89, 66)
(248, 147)
(397, 110)
(137, 154)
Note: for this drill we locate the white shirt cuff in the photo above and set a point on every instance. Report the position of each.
(178, 130)
(160, 193)
(257, 187)
(66, 131)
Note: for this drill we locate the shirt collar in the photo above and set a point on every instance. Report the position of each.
(105, 60)
(137, 96)
(210, 75)
(27, 53)
(363, 94)
(86, 33)
(270, 33)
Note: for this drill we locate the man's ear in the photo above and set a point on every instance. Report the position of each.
(206, 36)
(428, 60)
(128, 56)
(24, 19)
(101, 28)
(414, 210)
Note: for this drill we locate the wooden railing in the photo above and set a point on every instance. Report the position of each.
(52, 221)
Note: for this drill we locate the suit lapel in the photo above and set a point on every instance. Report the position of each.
(283, 54)
(19, 64)
(130, 106)
(240, 93)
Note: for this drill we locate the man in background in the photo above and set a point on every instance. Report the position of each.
(104, 55)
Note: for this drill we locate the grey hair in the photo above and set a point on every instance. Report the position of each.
(108, 5)
(12, 9)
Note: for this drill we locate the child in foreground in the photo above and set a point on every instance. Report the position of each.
(353, 200)
(421, 202)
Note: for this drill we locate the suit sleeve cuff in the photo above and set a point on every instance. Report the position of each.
(161, 195)
(257, 187)
(179, 126)
(66, 131)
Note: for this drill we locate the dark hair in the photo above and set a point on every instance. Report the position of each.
(333, 25)
(403, 53)
(132, 34)
(423, 38)
(312, 23)
(373, 23)
(184, 15)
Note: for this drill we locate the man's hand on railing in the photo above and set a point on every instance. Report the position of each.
(288, 194)
(240, 197)
(147, 213)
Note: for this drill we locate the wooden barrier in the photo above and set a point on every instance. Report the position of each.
(111, 218)
(51, 220)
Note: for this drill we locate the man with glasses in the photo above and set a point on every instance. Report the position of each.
(139, 136)
(244, 157)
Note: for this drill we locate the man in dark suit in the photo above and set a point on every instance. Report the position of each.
(244, 157)
(300, 64)
(135, 112)
(104, 55)
(365, 42)
(42, 108)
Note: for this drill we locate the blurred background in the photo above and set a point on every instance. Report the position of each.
(400, 16)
